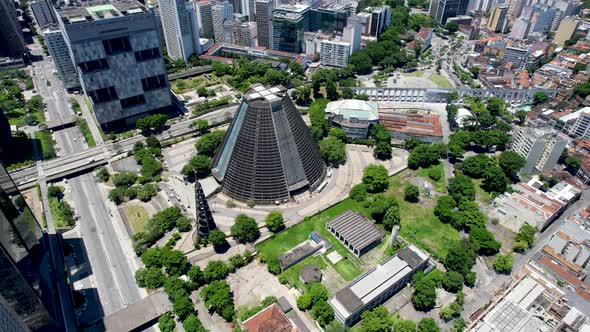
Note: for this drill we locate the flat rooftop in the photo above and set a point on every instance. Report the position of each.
(78, 14)
(427, 124)
(377, 280)
(356, 230)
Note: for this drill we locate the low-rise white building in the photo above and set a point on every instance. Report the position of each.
(377, 285)
(353, 116)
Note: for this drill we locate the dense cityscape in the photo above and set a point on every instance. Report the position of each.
(295, 165)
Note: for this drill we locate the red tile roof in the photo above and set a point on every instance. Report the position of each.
(270, 319)
(419, 124)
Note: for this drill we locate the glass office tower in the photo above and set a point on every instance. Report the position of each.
(26, 282)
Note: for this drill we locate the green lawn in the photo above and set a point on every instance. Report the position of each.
(419, 225)
(57, 219)
(137, 217)
(47, 143)
(18, 118)
(440, 81)
(83, 126)
(349, 267)
(440, 185)
(417, 73)
(292, 273)
(482, 195)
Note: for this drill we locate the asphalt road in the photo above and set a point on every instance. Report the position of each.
(111, 272)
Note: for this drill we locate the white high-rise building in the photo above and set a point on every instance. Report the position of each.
(352, 34)
(520, 29)
(334, 53)
(581, 127)
(221, 12)
(181, 30)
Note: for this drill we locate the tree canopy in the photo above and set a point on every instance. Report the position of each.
(375, 178)
(245, 229)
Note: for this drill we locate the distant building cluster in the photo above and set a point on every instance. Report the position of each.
(533, 303)
(530, 203)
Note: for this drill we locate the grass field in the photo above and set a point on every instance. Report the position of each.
(137, 217)
(349, 267)
(19, 118)
(47, 143)
(440, 81)
(83, 126)
(419, 225)
(482, 195)
(57, 219)
(440, 185)
(417, 73)
(292, 273)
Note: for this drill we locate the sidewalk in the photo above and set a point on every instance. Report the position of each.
(87, 115)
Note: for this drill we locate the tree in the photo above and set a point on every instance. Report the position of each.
(166, 323)
(207, 144)
(199, 165)
(382, 141)
(375, 177)
(404, 325)
(245, 229)
(392, 216)
(476, 166)
(150, 167)
(274, 221)
(379, 206)
(503, 263)
(304, 301)
(322, 312)
(539, 98)
(150, 278)
(453, 281)
(174, 261)
(332, 90)
(496, 106)
(318, 292)
(201, 125)
(217, 297)
(166, 218)
(103, 174)
(152, 258)
(424, 297)
(333, 151)
(317, 115)
(411, 143)
(273, 266)
(54, 191)
(376, 320)
(124, 179)
(193, 324)
(215, 270)
(338, 133)
(511, 163)
(217, 239)
(358, 192)
(196, 275)
(485, 240)
(572, 164)
(461, 186)
(151, 122)
(452, 27)
(494, 180)
(444, 209)
(361, 63)
(459, 259)
(428, 325)
(411, 193)
(526, 234)
(183, 306)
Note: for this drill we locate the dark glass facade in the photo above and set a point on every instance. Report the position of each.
(268, 154)
(26, 282)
